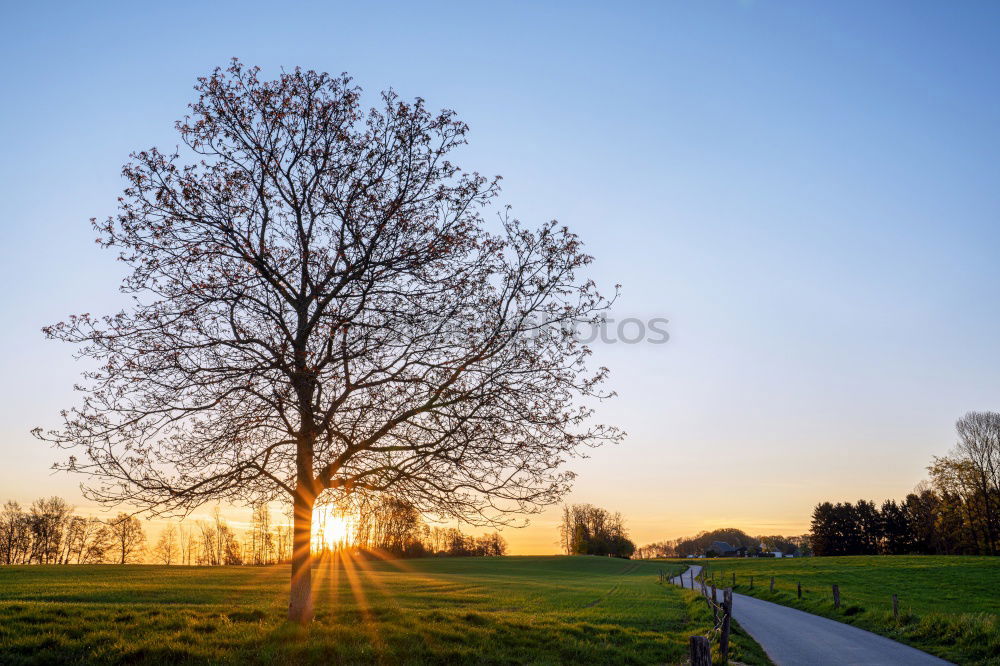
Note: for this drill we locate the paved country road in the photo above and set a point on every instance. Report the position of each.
(792, 637)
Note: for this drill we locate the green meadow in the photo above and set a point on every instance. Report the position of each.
(510, 610)
(948, 605)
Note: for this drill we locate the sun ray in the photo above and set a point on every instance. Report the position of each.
(364, 607)
(413, 574)
(363, 568)
(328, 580)
(391, 560)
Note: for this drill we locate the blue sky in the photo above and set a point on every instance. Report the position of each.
(806, 190)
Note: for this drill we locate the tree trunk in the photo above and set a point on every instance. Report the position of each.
(300, 606)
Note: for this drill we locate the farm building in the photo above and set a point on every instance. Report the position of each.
(723, 549)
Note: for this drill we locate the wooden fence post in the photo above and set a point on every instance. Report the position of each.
(692, 578)
(895, 607)
(836, 596)
(727, 614)
(700, 651)
(734, 579)
(772, 583)
(800, 590)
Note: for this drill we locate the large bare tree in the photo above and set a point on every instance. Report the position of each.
(319, 306)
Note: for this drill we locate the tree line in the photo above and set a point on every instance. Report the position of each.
(393, 526)
(701, 544)
(955, 512)
(50, 532)
(586, 529)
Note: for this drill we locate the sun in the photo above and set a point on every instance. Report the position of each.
(332, 529)
(338, 529)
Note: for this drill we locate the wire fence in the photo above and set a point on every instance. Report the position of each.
(700, 646)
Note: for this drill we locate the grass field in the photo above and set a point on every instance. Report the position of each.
(459, 610)
(949, 606)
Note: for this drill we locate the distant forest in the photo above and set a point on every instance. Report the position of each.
(50, 532)
(956, 512)
(702, 544)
